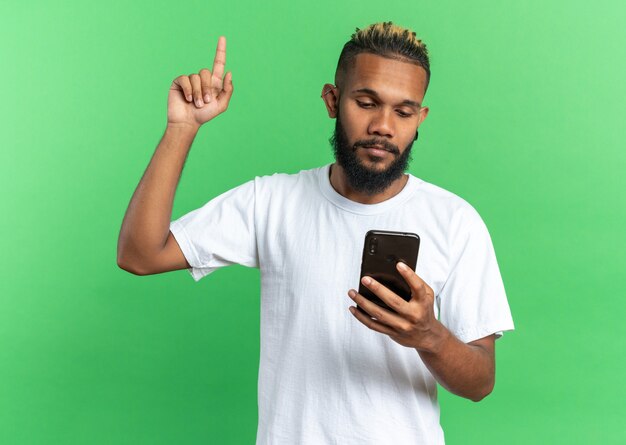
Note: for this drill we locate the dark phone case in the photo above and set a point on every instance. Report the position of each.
(391, 247)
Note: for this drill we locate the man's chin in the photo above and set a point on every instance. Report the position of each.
(375, 164)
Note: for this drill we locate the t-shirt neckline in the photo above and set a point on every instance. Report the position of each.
(364, 209)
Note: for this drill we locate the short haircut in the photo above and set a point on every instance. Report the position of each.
(387, 40)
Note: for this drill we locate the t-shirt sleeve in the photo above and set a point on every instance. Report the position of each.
(473, 302)
(220, 233)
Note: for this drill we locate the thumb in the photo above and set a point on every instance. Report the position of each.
(227, 90)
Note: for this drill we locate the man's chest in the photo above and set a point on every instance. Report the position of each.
(321, 247)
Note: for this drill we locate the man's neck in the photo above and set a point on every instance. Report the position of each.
(340, 183)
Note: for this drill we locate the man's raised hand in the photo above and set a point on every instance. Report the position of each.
(198, 98)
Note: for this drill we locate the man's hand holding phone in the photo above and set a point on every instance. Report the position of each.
(414, 324)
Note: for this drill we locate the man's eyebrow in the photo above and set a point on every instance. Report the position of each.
(375, 94)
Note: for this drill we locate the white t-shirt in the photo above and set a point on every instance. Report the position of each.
(325, 378)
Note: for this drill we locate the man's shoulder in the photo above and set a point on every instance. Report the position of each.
(439, 195)
(284, 179)
(449, 205)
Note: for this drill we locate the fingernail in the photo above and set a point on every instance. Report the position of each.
(367, 280)
(402, 266)
(351, 293)
(189, 98)
(199, 103)
(207, 98)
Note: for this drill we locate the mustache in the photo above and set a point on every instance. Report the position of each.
(387, 146)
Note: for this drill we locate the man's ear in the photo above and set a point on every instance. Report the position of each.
(423, 113)
(330, 96)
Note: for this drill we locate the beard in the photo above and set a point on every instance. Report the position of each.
(361, 178)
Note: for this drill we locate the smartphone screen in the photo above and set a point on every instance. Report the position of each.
(381, 251)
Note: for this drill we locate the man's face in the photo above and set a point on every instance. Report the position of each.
(361, 177)
(379, 105)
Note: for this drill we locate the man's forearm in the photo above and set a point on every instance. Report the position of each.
(463, 369)
(467, 370)
(146, 224)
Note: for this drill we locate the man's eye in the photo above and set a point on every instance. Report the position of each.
(365, 104)
(403, 114)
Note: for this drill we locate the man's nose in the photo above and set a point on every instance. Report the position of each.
(382, 123)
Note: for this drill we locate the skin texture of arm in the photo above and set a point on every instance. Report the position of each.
(145, 228)
(464, 369)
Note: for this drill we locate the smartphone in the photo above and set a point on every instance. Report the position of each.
(381, 251)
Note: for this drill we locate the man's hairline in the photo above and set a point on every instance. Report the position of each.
(340, 82)
(341, 72)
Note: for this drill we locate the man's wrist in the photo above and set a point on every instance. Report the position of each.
(182, 127)
(438, 338)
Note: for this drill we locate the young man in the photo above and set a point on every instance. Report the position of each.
(327, 375)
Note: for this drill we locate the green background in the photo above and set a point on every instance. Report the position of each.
(526, 123)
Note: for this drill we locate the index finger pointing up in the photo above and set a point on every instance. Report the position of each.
(220, 57)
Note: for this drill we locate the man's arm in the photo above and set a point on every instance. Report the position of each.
(145, 244)
(145, 228)
(467, 370)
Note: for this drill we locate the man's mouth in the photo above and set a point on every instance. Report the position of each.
(377, 150)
